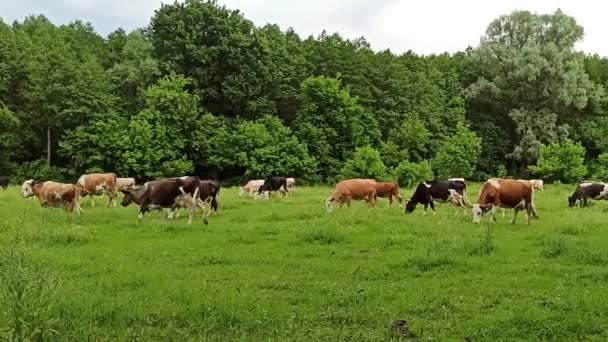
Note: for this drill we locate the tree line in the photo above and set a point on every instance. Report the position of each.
(202, 90)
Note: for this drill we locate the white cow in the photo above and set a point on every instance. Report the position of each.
(251, 187)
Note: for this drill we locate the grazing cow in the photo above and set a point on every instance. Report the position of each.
(438, 191)
(352, 189)
(273, 184)
(389, 190)
(96, 184)
(251, 187)
(125, 183)
(166, 193)
(505, 193)
(209, 190)
(536, 184)
(585, 191)
(52, 194)
(4, 182)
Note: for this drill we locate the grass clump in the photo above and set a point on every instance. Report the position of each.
(554, 247)
(323, 236)
(27, 298)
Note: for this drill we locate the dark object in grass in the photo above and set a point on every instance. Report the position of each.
(401, 329)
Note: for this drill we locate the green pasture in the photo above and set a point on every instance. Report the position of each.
(285, 269)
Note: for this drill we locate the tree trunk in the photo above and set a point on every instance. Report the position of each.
(48, 145)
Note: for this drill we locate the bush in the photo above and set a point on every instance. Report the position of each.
(408, 174)
(39, 170)
(458, 154)
(561, 162)
(365, 163)
(600, 169)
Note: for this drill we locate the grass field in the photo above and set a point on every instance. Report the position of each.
(286, 270)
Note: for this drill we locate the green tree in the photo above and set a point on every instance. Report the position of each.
(561, 162)
(364, 163)
(458, 154)
(265, 147)
(409, 174)
(531, 79)
(332, 123)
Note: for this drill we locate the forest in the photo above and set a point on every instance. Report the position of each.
(202, 90)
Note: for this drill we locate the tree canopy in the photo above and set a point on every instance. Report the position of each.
(202, 90)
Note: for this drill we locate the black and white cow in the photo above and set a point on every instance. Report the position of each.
(171, 193)
(585, 191)
(4, 182)
(273, 184)
(438, 191)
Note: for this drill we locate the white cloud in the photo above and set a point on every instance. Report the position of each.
(428, 26)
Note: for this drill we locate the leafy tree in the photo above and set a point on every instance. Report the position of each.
(600, 168)
(134, 71)
(531, 79)
(364, 163)
(264, 148)
(561, 162)
(8, 139)
(333, 124)
(409, 174)
(409, 141)
(458, 154)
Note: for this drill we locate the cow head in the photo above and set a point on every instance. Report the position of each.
(329, 204)
(129, 197)
(479, 210)
(27, 188)
(410, 206)
(571, 201)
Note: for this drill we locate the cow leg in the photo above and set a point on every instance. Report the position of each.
(433, 207)
(493, 214)
(426, 206)
(142, 210)
(515, 212)
(390, 200)
(91, 200)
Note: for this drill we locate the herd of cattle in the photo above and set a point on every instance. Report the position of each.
(192, 193)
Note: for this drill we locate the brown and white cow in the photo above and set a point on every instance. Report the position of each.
(390, 190)
(352, 189)
(505, 193)
(96, 184)
(251, 187)
(537, 184)
(171, 193)
(125, 183)
(53, 194)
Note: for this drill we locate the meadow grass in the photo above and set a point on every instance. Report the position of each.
(285, 269)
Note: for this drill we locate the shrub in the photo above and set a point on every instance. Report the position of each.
(365, 163)
(600, 169)
(458, 154)
(38, 169)
(561, 162)
(408, 173)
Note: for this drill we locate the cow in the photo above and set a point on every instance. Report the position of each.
(291, 183)
(53, 194)
(209, 190)
(389, 190)
(272, 184)
(536, 184)
(171, 193)
(251, 187)
(352, 189)
(505, 193)
(4, 182)
(96, 184)
(588, 190)
(438, 191)
(125, 183)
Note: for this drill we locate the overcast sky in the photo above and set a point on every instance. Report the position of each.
(424, 26)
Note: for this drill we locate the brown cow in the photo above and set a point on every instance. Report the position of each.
(96, 184)
(389, 190)
(352, 189)
(505, 193)
(52, 194)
